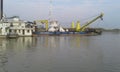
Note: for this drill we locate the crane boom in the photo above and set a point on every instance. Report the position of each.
(88, 23)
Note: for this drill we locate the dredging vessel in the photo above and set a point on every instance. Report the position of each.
(54, 28)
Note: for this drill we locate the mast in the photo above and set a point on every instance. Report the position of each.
(1, 9)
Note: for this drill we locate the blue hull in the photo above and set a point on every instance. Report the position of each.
(60, 33)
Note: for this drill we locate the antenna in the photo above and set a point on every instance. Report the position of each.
(50, 12)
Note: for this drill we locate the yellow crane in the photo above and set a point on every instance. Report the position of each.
(72, 25)
(43, 22)
(88, 23)
(77, 26)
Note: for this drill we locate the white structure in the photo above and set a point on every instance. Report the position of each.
(54, 27)
(15, 25)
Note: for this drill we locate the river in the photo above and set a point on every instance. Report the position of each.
(61, 53)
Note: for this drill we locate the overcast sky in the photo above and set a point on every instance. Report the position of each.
(66, 11)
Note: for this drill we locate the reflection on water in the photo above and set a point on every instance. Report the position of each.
(10, 47)
(61, 54)
(3, 57)
(58, 41)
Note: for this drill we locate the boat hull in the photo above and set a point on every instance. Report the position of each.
(63, 33)
(12, 35)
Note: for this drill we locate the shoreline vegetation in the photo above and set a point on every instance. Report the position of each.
(109, 30)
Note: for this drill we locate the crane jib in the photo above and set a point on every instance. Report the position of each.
(88, 23)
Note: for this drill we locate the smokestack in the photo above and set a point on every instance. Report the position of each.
(1, 9)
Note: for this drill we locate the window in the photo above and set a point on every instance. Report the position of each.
(19, 31)
(10, 30)
(15, 31)
(28, 31)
